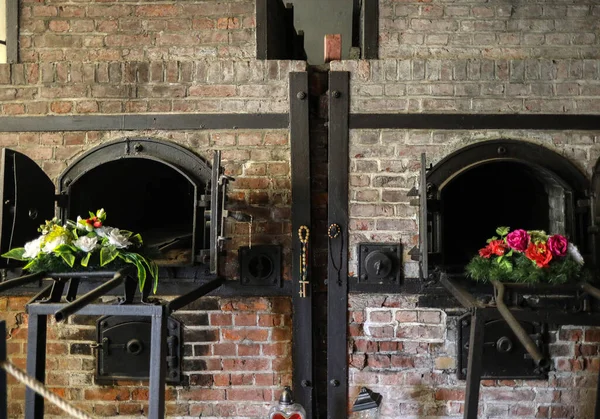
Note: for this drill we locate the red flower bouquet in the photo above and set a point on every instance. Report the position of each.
(526, 256)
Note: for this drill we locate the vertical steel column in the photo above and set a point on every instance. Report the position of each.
(369, 41)
(302, 340)
(36, 363)
(597, 409)
(474, 364)
(337, 274)
(158, 367)
(3, 383)
(12, 31)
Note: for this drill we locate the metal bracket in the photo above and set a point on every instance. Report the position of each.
(379, 263)
(260, 265)
(420, 253)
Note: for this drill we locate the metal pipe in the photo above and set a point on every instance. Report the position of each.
(22, 280)
(82, 274)
(191, 296)
(40, 295)
(86, 299)
(540, 360)
(593, 291)
(464, 297)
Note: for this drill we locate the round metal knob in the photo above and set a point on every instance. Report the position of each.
(137, 147)
(301, 95)
(134, 347)
(504, 344)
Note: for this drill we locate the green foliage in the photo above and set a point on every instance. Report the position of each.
(523, 270)
(86, 244)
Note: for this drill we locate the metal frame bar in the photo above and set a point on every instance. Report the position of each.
(130, 122)
(262, 33)
(470, 121)
(22, 280)
(302, 340)
(168, 286)
(36, 350)
(12, 31)
(370, 30)
(3, 382)
(337, 292)
(474, 365)
(191, 296)
(36, 363)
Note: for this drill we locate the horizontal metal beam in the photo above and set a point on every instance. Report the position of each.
(99, 309)
(546, 316)
(173, 286)
(474, 121)
(143, 122)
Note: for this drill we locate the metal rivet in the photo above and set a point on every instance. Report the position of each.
(301, 95)
(33, 213)
(334, 383)
(305, 383)
(336, 94)
(67, 181)
(501, 150)
(138, 147)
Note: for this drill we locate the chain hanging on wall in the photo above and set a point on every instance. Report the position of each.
(250, 233)
(333, 232)
(303, 236)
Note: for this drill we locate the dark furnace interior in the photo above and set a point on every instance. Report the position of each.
(485, 197)
(160, 204)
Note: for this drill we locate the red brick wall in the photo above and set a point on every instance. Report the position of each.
(408, 354)
(114, 57)
(115, 30)
(237, 355)
(143, 56)
(461, 57)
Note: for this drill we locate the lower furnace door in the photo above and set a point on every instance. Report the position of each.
(123, 344)
(503, 355)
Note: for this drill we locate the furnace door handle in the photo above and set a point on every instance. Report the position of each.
(134, 346)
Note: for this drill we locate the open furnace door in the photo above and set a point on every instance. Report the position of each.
(27, 201)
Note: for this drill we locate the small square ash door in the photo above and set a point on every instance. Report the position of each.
(123, 349)
(503, 355)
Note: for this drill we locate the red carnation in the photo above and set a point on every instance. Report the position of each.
(486, 252)
(497, 247)
(539, 253)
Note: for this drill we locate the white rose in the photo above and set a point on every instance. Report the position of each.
(53, 244)
(104, 231)
(85, 243)
(33, 248)
(574, 253)
(117, 239)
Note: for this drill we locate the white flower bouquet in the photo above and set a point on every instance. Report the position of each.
(86, 244)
